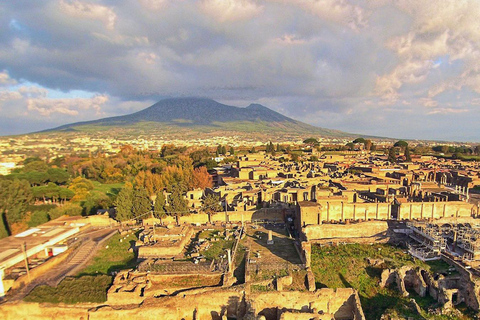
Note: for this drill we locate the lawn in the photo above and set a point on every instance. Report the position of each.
(113, 256)
(344, 266)
(217, 247)
(110, 189)
(73, 290)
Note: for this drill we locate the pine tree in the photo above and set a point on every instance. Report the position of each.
(211, 204)
(159, 208)
(141, 203)
(178, 205)
(124, 204)
(392, 156)
(232, 151)
(408, 157)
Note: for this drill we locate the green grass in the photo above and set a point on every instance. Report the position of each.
(110, 189)
(73, 290)
(344, 266)
(115, 257)
(218, 248)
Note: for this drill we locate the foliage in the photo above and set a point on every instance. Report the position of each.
(38, 217)
(151, 182)
(392, 156)
(15, 195)
(312, 142)
(124, 203)
(73, 290)
(211, 204)
(270, 148)
(159, 211)
(3, 227)
(141, 203)
(401, 143)
(359, 140)
(408, 157)
(69, 209)
(177, 204)
(96, 200)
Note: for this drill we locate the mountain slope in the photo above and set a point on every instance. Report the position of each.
(203, 115)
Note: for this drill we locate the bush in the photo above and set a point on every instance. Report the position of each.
(70, 209)
(38, 218)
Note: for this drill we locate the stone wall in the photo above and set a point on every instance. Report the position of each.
(365, 229)
(215, 305)
(341, 211)
(229, 216)
(435, 210)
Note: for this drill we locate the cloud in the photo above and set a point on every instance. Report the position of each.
(336, 11)
(230, 10)
(47, 107)
(90, 11)
(5, 79)
(322, 61)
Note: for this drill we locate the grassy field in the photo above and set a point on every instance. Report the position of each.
(345, 266)
(73, 290)
(113, 256)
(219, 247)
(110, 189)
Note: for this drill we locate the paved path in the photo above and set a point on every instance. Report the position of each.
(91, 241)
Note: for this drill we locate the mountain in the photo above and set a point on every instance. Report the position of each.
(203, 116)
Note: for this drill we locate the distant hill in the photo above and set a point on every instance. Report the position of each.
(203, 116)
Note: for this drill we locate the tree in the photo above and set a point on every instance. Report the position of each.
(15, 195)
(124, 204)
(96, 200)
(368, 145)
(350, 146)
(392, 156)
(211, 204)
(232, 151)
(401, 143)
(201, 178)
(178, 205)
(408, 157)
(58, 176)
(70, 209)
(360, 140)
(159, 207)
(141, 203)
(269, 147)
(476, 149)
(312, 142)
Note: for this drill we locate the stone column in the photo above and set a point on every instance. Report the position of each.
(270, 237)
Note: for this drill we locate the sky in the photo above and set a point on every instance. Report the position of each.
(402, 69)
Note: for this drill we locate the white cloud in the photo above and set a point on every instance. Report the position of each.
(337, 11)
(5, 79)
(91, 11)
(230, 10)
(47, 107)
